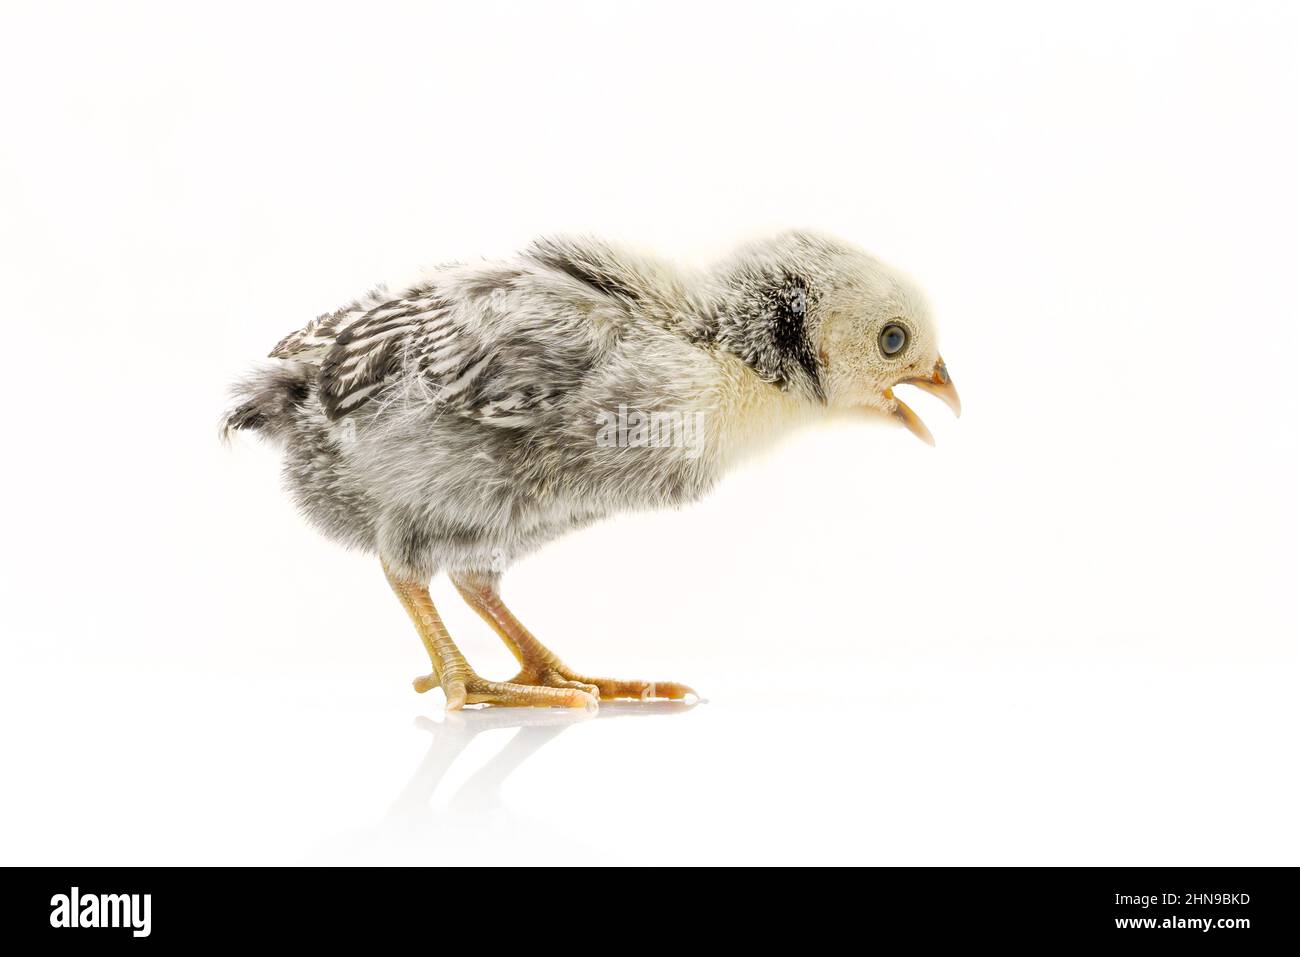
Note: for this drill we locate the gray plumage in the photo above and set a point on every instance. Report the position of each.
(455, 423)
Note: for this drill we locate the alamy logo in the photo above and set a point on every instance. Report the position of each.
(101, 910)
(634, 429)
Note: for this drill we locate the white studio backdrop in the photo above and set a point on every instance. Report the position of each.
(1065, 635)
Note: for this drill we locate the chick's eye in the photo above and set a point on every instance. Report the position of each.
(892, 339)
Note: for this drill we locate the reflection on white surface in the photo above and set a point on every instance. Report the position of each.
(473, 820)
(482, 792)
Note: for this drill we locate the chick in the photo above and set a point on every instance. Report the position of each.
(462, 422)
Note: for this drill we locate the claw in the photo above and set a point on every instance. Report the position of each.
(456, 697)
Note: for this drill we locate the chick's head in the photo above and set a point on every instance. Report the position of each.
(866, 326)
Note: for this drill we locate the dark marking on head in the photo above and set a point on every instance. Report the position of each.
(788, 305)
(767, 326)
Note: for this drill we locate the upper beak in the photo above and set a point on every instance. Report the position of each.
(939, 383)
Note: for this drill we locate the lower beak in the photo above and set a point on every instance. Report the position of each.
(937, 383)
(903, 412)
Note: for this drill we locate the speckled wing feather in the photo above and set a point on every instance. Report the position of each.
(414, 335)
(311, 343)
(503, 371)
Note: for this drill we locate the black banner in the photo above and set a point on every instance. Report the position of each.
(1224, 908)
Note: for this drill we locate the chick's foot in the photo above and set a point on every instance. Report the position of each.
(539, 666)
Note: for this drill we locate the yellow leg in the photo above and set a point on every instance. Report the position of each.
(452, 672)
(538, 665)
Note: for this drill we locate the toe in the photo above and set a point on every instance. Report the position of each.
(555, 679)
(603, 689)
(643, 690)
(457, 696)
(579, 685)
(672, 690)
(507, 694)
(425, 683)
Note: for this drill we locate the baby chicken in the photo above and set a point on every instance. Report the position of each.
(463, 422)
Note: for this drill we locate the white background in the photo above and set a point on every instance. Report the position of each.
(1066, 635)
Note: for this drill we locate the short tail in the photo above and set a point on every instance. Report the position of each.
(267, 399)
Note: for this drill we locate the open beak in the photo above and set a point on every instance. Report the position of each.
(937, 383)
